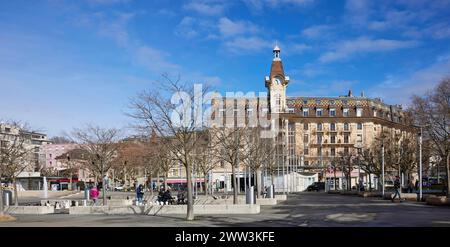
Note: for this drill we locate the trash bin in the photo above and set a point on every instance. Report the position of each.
(86, 194)
(7, 197)
(250, 195)
(270, 192)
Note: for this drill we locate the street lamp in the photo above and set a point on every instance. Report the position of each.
(382, 161)
(420, 164)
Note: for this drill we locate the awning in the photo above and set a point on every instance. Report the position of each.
(183, 180)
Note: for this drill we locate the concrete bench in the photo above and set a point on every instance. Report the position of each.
(167, 210)
(438, 201)
(369, 194)
(34, 210)
(349, 193)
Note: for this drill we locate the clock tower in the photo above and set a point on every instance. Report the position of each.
(276, 83)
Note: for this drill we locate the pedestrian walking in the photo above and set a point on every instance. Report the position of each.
(94, 193)
(410, 186)
(140, 193)
(397, 189)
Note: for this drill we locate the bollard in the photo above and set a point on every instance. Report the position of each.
(270, 192)
(7, 199)
(250, 195)
(86, 194)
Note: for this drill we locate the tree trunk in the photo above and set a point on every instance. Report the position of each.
(70, 184)
(190, 198)
(2, 207)
(370, 182)
(335, 187)
(165, 180)
(205, 178)
(158, 184)
(16, 196)
(151, 184)
(448, 175)
(258, 182)
(235, 192)
(104, 191)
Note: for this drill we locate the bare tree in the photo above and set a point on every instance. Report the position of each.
(15, 155)
(432, 113)
(229, 146)
(172, 112)
(101, 147)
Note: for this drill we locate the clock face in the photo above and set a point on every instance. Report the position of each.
(277, 81)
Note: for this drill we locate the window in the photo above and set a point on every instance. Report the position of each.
(359, 112)
(306, 152)
(305, 138)
(333, 139)
(250, 112)
(50, 155)
(346, 128)
(359, 126)
(374, 113)
(305, 126)
(319, 138)
(7, 130)
(290, 110)
(359, 138)
(319, 112)
(319, 151)
(359, 150)
(346, 150)
(333, 127)
(332, 112)
(345, 112)
(333, 152)
(305, 102)
(319, 127)
(306, 162)
(346, 138)
(305, 112)
(318, 102)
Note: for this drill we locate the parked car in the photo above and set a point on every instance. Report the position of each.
(119, 188)
(316, 186)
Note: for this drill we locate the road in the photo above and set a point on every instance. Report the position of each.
(308, 209)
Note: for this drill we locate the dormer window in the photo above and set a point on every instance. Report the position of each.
(319, 112)
(305, 112)
(332, 112)
(359, 112)
(346, 112)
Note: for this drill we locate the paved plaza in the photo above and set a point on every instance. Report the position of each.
(308, 209)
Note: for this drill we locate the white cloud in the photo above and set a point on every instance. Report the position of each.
(347, 48)
(106, 2)
(229, 28)
(358, 11)
(247, 44)
(186, 28)
(154, 60)
(259, 5)
(317, 31)
(206, 8)
(399, 89)
(299, 48)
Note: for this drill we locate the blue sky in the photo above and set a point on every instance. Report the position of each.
(65, 63)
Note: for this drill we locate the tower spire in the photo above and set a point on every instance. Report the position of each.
(276, 52)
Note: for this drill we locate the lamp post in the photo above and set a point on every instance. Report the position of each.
(420, 164)
(382, 168)
(382, 161)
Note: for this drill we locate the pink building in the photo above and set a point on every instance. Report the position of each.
(52, 151)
